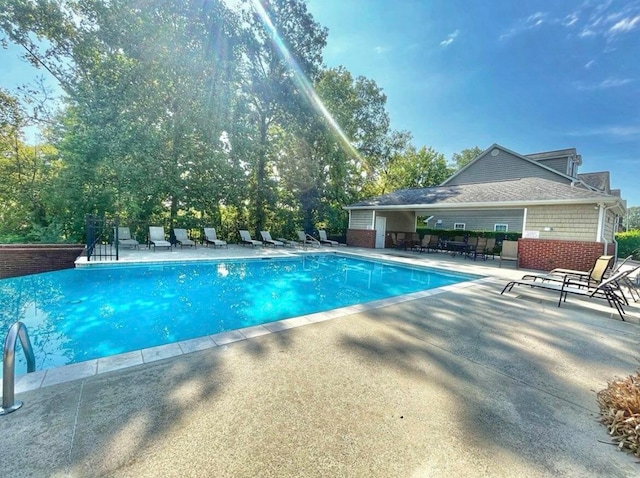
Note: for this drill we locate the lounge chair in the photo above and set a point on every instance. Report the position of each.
(509, 252)
(304, 238)
(608, 289)
(267, 240)
(593, 276)
(211, 238)
(288, 242)
(325, 240)
(125, 239)
(157, 237)
(245, 238)
(180, 236)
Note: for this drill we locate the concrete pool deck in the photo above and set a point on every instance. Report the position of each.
(465, 382)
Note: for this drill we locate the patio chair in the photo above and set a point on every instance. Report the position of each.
(245, 239)
(210, 237)
(478, 249)
(304, 238)
(267, 240)
(608, 289)
(424, 243)
(180, 236)
(509, 252)
(434, 244)
(325, 240)
(157, 237)
(488, 251)
(125, 239)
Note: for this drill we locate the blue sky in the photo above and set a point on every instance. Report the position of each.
(530, 75)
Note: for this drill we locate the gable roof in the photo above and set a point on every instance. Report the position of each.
(524, 158)
(599, 180)
(500, 194)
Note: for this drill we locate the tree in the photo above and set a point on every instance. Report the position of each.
(282, 50)
(465, 156)
(632, 218)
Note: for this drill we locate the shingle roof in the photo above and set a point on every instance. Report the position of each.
(598, 180)
(518, 190)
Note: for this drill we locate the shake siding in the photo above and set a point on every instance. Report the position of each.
(608, 226)
(502, 167)
(361, 220)
(570, 223)
(400, 221)
(476, 220)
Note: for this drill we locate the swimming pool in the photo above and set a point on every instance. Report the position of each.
(81, 314)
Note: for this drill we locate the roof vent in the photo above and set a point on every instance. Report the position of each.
(495, 152)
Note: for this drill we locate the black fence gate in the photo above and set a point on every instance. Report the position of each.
(102, 238)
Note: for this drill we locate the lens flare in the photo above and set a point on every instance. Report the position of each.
(300, 79)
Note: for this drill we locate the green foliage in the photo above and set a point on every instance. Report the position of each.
(632, 219)
(188, 113)
(629, 243)
(451, 233)
(464, 157)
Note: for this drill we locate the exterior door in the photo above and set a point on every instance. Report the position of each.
(381, 231)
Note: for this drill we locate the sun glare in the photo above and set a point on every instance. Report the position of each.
(301, 79)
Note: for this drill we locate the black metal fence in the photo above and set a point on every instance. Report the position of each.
(102, 238)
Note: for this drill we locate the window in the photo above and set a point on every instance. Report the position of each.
(458, 226)
(500, 227)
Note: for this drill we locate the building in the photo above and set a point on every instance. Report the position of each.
(565, 218)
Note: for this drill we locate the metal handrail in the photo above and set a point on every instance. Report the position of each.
(16, 331)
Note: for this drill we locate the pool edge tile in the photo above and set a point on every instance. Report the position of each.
(161, 352)
(224, 338)
(120, 361)
(196, 344)
(70, 372)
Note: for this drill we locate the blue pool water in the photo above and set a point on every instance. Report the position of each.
(87, 313)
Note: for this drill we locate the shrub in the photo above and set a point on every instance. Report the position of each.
(620, 411)
(629, 243)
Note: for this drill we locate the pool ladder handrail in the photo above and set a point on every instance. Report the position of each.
(16, 331)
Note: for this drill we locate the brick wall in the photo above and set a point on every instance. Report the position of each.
(547, 254)
(23, 259)
(361, 238)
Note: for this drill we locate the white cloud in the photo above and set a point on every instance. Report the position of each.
(450, 38)
(605, 84)
(617, 131)
(536, 19)
(626, 24)
(589, 64)
(381, 49)
(570, 19)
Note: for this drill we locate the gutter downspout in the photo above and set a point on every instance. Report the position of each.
(601, 218)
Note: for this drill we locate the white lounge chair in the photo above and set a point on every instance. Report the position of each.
(304, 238)
(157, 237)
(211, 238)
(125, 239)
(245, 238)
(181, 238)
(325, 240)
(266, 239)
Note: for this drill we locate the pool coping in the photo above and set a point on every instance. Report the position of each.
(89, 368)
